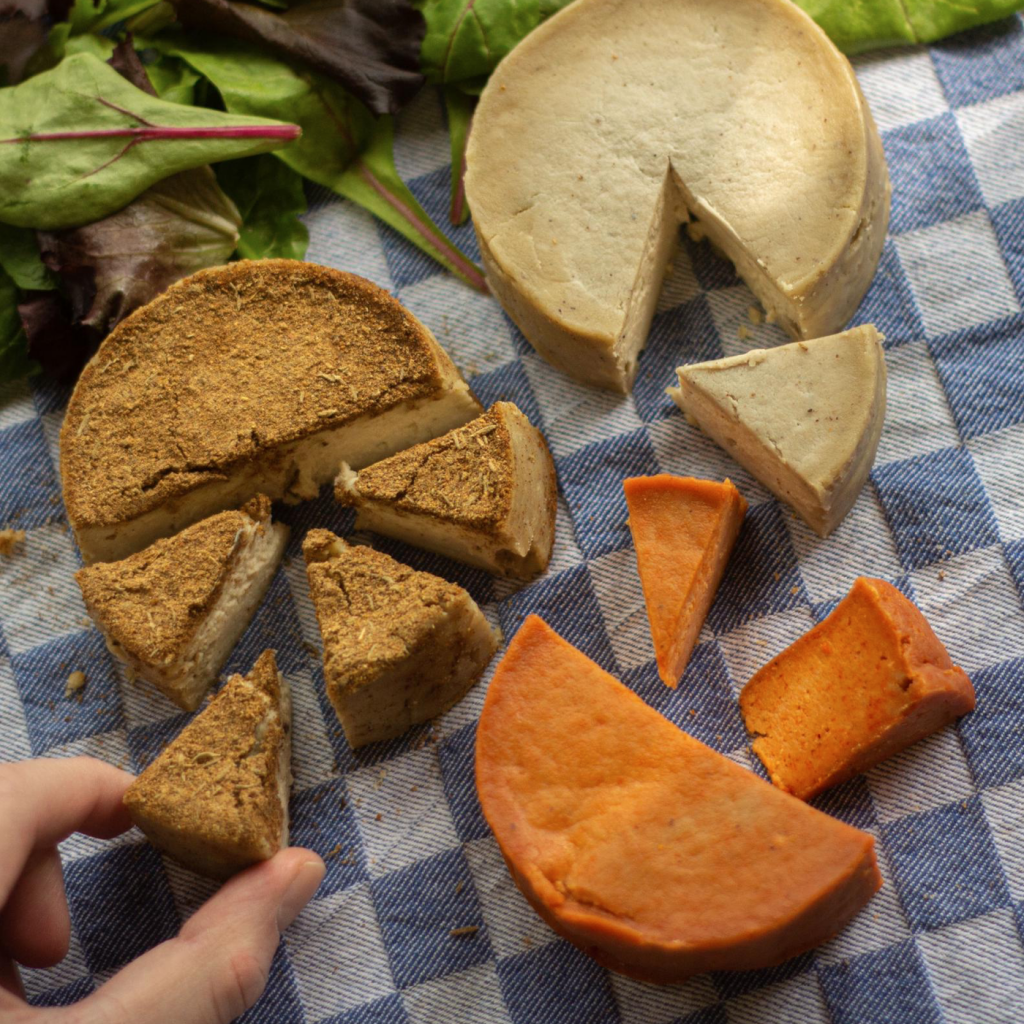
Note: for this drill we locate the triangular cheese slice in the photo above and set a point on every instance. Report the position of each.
(869, 680)
(804, 419)
(651, 852)
(683, 531)
(484, 494)
(400, 646)
(173, 611)
(216, 799)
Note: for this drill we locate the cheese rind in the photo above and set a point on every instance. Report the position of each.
(683, 531)
(617, 119)
(257, 377)
(400, 646)
(484, 494)
(804, 418)
(649, 851)
(869, 680)
(216, 797)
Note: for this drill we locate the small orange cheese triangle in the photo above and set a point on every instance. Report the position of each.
(683, 530)
(651, 852)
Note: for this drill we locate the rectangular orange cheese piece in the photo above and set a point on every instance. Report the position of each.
(863, 684)
(683, 531)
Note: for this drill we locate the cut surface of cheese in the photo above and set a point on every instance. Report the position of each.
(400, 646)
(257, 377)
(485, 494)
(616, 119)
(803, 418)
(651, 852)
(869, 680)
(174, 611)
(216, 798)
(683, 531)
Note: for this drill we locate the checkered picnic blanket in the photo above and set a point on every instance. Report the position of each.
(409, 855)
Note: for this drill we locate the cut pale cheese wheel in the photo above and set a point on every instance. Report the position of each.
(484, 494)
(863, 684)
(648, 850)
(257, 377)
(173, 611)
(683, 531)
(616, 119)
(400, 646)
(216, 798)
(804, 418)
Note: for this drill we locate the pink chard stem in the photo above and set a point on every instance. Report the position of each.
(147, 133)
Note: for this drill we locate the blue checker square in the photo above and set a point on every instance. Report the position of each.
(850, 802)
(147, 741)
(932, 176)
(41, 675)
(945, 866)
(389, 1010)
(981, 63)
(591, 481)
(1008, 222)
(576, 990)
(508, 383)
(29, 478)
(730, 984)
(762, 576)
(981, 371)
(120, 904)
(711, 270)
(322, 820)
(993, 734)
(936, 506)
(280, 999)
(418, 907)
(889, 303)
(887, 986)
(275, 626)
(1015, 560)
(456, 754)
(65, 995)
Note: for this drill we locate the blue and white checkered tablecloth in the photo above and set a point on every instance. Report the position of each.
(410, 857)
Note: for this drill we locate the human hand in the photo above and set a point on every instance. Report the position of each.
(216, 967)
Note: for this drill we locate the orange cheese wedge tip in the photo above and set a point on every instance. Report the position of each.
(652, 853)
(683, 531)
(863, 684)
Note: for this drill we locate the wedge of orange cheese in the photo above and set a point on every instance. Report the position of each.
(652, 853)
(863, 684)
(683, 531)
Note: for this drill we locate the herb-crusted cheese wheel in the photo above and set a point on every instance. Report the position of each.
(617, 119)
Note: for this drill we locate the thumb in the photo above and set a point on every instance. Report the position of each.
(217, 966)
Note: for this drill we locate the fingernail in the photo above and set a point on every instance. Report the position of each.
(300, 891)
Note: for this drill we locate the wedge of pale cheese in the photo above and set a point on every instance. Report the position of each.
(216, 798)
(484, 494)
(804, 418)
(617, 119)
(257, 377)
(173, 611)
(400, 646)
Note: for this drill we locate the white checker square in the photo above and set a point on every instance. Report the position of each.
(41, 600)
(977, 969)
(337, 954)
(918, 419)
(71, 969)
(469, 997)
(641, 1003)
(928, 774)
(16, 405)
(796, 1001)
(730, 312)
(51, 424)
(512, 924)
(565, 553)
(999, 459)
(680, 282)
(575, 415)
(992, 132)
(77, 846)
(616, 583)
(957, 273)
(752, 645)
(345, 236)
(1004, 811)
(188, 889)
(16, 745)
(470, 327)
(421, 141)
(294, 570)
(900, 90)
(974, 608)
(686, 451)
(408, 795)
(861, 545)
(312, 755)
(141, 703)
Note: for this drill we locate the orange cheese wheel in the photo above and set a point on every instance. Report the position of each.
(648, 850)
(863, 684)
(683, 531)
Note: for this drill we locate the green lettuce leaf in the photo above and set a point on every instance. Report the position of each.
(20, 258)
